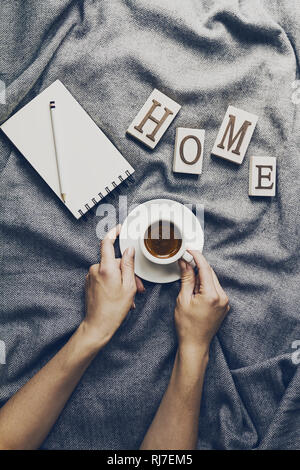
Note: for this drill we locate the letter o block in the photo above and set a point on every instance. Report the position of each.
(262, 176)
(188, 152)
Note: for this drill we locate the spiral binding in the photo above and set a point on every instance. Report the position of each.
(109, 192)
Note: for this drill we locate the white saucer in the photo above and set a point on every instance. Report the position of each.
(144, 268)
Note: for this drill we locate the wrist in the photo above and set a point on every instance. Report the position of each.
(191, 363)
(91, 336)
(194, 354)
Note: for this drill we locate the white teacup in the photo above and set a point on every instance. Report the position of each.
(181, 253)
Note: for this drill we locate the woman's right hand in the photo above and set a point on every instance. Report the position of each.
(110, 290)
(201, 305)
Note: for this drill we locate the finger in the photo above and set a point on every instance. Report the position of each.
(138, 281)
(86, 287)
(187, 275)
(218, 286)
(107, 245)
(220, 290)
(139, 285)
(204, 272)
(127, 267)
(197, 286)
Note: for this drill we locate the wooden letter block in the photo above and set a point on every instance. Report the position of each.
(188, 152)
(234, 135)
(153, 119)
(262, 176)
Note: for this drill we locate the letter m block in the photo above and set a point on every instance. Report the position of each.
(234, 135)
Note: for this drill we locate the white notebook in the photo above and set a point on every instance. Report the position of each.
(92, 166)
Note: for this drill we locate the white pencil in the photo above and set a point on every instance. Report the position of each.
(55, 131)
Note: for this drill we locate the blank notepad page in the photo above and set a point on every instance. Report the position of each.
(91, 165)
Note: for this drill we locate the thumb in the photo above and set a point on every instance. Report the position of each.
(187, 278)
(127, 267)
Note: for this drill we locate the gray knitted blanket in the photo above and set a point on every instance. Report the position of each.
(205, 55)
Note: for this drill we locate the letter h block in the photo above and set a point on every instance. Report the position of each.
(234, 135)
(153, 119)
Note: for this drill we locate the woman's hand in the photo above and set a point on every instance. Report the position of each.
(36, 406)
(110, 290)
(201, 305)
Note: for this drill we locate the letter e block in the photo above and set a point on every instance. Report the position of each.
(188, 152)
(234, 135)
(262, 176)
(153, 119)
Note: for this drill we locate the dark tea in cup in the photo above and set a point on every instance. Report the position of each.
(163, 239)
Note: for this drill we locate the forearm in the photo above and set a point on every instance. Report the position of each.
(175, 425)
(26, 419)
